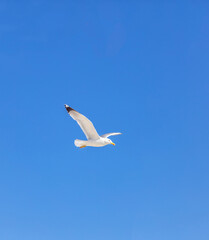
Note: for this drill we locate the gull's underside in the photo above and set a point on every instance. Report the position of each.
(93, 138)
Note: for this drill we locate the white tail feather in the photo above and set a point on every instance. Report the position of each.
(79, 143)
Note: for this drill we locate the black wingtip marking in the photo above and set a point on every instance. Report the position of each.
(68, 108)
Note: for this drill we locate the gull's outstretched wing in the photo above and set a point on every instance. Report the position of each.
(110, 134)
(85, 124)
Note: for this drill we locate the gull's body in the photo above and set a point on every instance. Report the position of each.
(93, 138)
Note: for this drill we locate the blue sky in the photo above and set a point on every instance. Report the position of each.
(131, 66)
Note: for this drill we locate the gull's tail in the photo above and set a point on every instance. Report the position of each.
(79, 143)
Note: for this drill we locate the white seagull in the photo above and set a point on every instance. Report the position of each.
(93, 138)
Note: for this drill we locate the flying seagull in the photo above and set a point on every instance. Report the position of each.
(93, 138)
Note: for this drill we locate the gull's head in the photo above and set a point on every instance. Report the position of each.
(109, 141)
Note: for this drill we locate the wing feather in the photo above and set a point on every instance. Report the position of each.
(85, 124)
(109, 134)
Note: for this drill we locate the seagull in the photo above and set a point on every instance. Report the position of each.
(93, 138)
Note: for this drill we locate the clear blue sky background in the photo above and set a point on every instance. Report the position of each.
(131, 66)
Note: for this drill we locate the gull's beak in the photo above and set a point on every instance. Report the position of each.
(113, 143)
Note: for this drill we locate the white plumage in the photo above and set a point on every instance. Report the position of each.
(93, 138)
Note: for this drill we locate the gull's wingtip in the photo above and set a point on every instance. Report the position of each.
(68, 108)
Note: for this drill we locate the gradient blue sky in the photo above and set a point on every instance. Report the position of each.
(131, 66)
